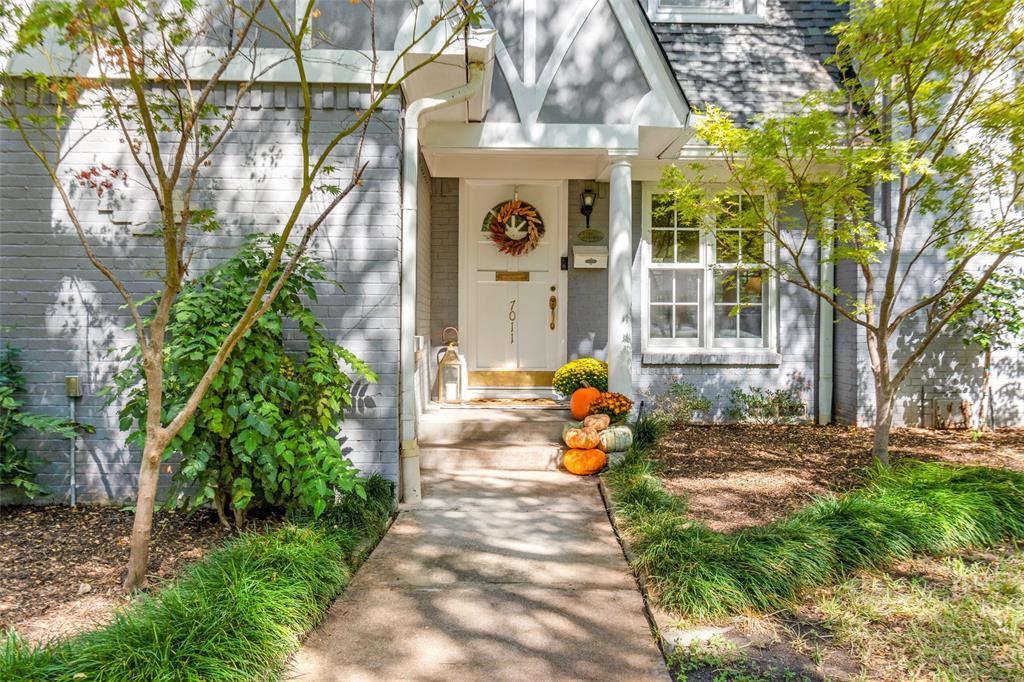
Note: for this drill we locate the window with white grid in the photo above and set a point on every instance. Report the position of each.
(706, 285)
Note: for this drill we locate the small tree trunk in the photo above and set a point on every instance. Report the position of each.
(219, 501)
(149, 475)
(883, 424)
(239, 518)
(983, 416)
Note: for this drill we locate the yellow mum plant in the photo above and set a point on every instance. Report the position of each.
(574, 375)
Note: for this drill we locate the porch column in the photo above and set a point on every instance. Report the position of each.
(620, 278)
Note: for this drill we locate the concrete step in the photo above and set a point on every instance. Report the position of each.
(500, 457)
(489, 428)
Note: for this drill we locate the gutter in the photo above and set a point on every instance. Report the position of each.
(409, 450)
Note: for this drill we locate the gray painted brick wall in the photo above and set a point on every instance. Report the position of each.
(423, 256)
(947, 373)
(587, 314)
(845, 391)
(65, 316)
(444, 255)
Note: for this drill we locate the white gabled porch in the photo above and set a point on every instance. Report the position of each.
(530, 139)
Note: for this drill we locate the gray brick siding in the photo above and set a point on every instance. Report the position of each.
(587, 314)
(946, 374)
(444, 256)
(65, 317)
(424, 217)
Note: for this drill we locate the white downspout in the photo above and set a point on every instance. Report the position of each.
(826, 330)
(409, 449)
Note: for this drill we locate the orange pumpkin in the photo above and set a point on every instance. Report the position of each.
(583, 439)
(579, 404)
(583, 462)
(598, 422)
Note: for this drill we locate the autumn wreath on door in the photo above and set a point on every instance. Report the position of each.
(515, 226)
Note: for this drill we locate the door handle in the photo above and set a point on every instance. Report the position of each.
(553, 304)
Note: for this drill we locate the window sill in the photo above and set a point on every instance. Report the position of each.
(737, 357)
(684, 17)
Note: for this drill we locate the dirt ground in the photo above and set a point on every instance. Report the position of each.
(61, 569)
(738, 475)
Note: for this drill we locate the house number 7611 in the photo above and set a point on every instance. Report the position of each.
(512, 321)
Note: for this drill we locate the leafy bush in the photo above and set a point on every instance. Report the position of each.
(679, 404)
(615, 405)
(765, 406)
(235, 615)
(912, 509)
(15, 467)
(576, 374)
(267, 430)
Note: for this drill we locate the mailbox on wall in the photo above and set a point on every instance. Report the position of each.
(590, 257)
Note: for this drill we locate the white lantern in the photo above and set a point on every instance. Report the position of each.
(449, 369)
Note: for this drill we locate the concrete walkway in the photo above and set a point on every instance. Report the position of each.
(499, 575)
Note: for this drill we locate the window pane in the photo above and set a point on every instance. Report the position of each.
(753, 246)
(661, 322)
(752, 286)
(687, 286)
(727, 246)
(662, 246)
(725, 286)
(686, 322)
(750, 322)
(661, 286)
(725, 322)
(662, 214)
(689, 246)
(268, 17)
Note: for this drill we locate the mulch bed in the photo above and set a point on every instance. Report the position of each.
(61, 569)
(737, 476)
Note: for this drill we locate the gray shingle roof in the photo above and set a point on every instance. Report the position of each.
(749, 69)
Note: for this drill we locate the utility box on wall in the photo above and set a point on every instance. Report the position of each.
(590, 257)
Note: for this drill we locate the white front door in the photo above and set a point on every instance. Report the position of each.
(512, 308)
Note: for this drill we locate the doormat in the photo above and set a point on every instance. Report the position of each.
(514, 402)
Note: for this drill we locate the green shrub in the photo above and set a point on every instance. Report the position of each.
(680, 404)
(912, 509)
(236, 615)
(576, 374)
(765, 406)
(15, 466)
(267, 429)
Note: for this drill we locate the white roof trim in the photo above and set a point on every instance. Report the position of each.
(650, 57)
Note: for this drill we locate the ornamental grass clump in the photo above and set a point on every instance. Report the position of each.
(577, 374)
(914, 508)
(236, 615)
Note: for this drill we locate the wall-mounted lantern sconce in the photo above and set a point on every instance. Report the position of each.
(587, 198)
(587, 204)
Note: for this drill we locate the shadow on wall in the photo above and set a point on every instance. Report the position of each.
(716, 384)
(68, 319)
(950, 373)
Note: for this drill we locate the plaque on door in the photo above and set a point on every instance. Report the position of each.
(506, 276)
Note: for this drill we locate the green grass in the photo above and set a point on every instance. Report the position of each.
(235, 615)
(914, 508)
(954, 618)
